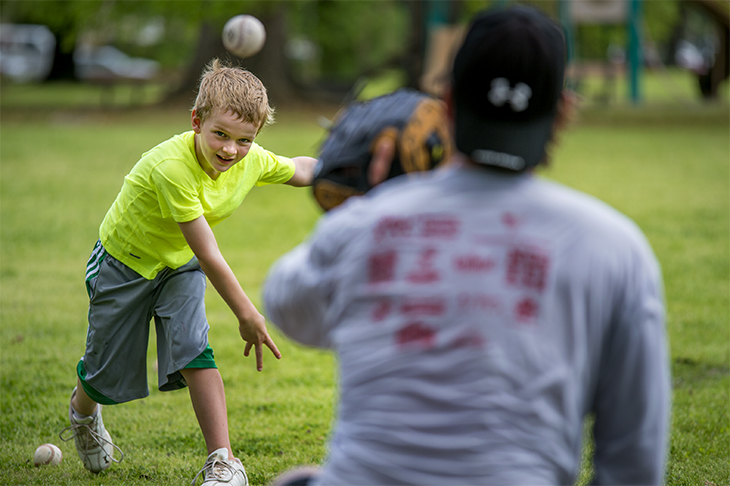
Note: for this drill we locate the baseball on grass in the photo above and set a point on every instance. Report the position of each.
(244, 35)
(47, 455)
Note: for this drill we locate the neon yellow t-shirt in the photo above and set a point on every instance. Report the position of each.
(167, 186)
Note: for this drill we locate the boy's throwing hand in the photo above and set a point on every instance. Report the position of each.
(251, 324)
(253, 331)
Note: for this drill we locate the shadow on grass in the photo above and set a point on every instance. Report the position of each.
(688, 373)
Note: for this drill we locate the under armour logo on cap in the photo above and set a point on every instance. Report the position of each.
(501, 93)
(507, 81)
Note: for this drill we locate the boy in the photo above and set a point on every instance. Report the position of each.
(155, 250)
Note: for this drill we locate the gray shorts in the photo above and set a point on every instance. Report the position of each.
(121, 305)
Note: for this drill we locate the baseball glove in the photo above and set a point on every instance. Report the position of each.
(407, 125)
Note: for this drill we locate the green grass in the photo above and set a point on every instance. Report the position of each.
(672, 85)
(673, 181)
(65, 94)
(665, 165)
(59, 172)
(669, 170)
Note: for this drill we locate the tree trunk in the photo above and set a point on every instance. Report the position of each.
(413, 59)
(209, 46)
(63, 67)
(269, 65)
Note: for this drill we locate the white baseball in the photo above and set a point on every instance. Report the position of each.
(244, 35)
(47, 455)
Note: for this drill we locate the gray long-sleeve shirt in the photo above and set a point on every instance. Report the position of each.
(478, 318)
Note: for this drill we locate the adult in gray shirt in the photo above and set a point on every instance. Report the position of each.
(480, 314)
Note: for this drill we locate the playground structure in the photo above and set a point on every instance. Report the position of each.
(628, 13)
(629, 60)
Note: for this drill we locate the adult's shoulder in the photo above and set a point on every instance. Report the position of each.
(595, 222)
(587, 208)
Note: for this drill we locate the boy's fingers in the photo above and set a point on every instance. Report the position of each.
(259, 358)
(270, 343)
(259, 350)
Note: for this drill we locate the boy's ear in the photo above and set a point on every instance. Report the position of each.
(195, 122)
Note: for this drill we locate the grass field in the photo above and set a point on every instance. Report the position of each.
(665, 165)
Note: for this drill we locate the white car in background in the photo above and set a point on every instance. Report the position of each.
(26, 52)
(96, 63)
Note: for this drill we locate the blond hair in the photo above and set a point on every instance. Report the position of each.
(232, 89)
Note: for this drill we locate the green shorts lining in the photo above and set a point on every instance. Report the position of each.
(206, 359)
(90, 390)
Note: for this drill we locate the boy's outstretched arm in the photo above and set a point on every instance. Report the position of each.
(251, 324)
(304, 171)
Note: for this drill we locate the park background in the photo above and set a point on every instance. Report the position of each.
(652, 139)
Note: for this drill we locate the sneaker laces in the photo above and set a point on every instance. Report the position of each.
(216, 469)
(89, 439)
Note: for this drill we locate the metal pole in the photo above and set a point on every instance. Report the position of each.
(635, 51)
(437, 13)
(567, 23)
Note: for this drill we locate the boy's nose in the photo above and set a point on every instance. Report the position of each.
(229, 149)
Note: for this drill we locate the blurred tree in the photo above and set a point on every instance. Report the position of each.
(714, 40)
(349, 38)
(313, 47)
(345, 41)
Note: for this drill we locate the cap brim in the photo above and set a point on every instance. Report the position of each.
(514, 146)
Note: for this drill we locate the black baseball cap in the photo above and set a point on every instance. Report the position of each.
(506, 83)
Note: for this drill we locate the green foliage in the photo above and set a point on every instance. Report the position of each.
(357, 35)
(659, 20)
(353, 36)
(350, 38)
(120, 23)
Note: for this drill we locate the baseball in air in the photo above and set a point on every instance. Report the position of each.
(244, 35)
(47, 455)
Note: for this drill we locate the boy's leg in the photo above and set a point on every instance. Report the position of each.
(209, 402)
(93, 442)
(118, 319)
(81, 402)
(182, 329)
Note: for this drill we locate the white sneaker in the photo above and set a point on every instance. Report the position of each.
(218, 470)
(93, 443)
